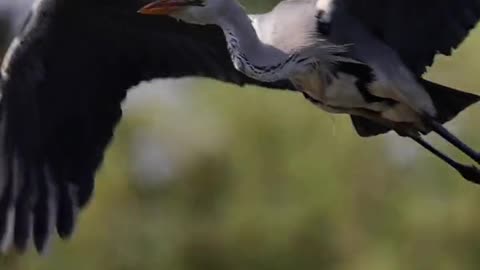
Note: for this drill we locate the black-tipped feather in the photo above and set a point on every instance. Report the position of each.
(23, 223)
(6, 200)
(23, 210)
(66, 212)
(449, 103)
(42, 213)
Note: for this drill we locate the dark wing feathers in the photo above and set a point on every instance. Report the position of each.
(62, 100)
(418, 29)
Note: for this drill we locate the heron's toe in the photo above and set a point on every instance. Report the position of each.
(470, 173)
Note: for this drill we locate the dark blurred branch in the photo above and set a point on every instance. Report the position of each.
(5, 33)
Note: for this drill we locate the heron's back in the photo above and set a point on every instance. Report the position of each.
(290, 25)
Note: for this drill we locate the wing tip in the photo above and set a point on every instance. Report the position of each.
(31, 220)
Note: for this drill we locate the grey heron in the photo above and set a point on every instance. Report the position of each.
(64, 78)
(375, 79)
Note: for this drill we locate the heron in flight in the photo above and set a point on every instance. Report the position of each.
(375, 81)
(64, 78)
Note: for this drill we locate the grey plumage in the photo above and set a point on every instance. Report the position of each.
(375, 37)
(395, 41)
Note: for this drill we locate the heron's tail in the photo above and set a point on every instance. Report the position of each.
(449, 102)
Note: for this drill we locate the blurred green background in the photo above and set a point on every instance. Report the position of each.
(207, 176)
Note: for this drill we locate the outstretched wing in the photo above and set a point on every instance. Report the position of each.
(63, 83)
(417, 29)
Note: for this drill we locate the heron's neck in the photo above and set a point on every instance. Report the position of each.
(246, 49)
(239, 26)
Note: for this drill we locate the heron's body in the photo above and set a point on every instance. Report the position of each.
(293, 23)
(371, 74)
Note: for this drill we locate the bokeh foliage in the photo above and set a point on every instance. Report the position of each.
(267, 181)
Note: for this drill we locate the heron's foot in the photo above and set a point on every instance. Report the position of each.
(470, 173)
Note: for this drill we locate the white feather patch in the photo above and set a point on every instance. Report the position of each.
(7, 59)
(326, 6)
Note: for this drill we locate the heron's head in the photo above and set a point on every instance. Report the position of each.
(190, 11)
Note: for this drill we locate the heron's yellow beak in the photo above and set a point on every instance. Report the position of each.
(164, 7)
